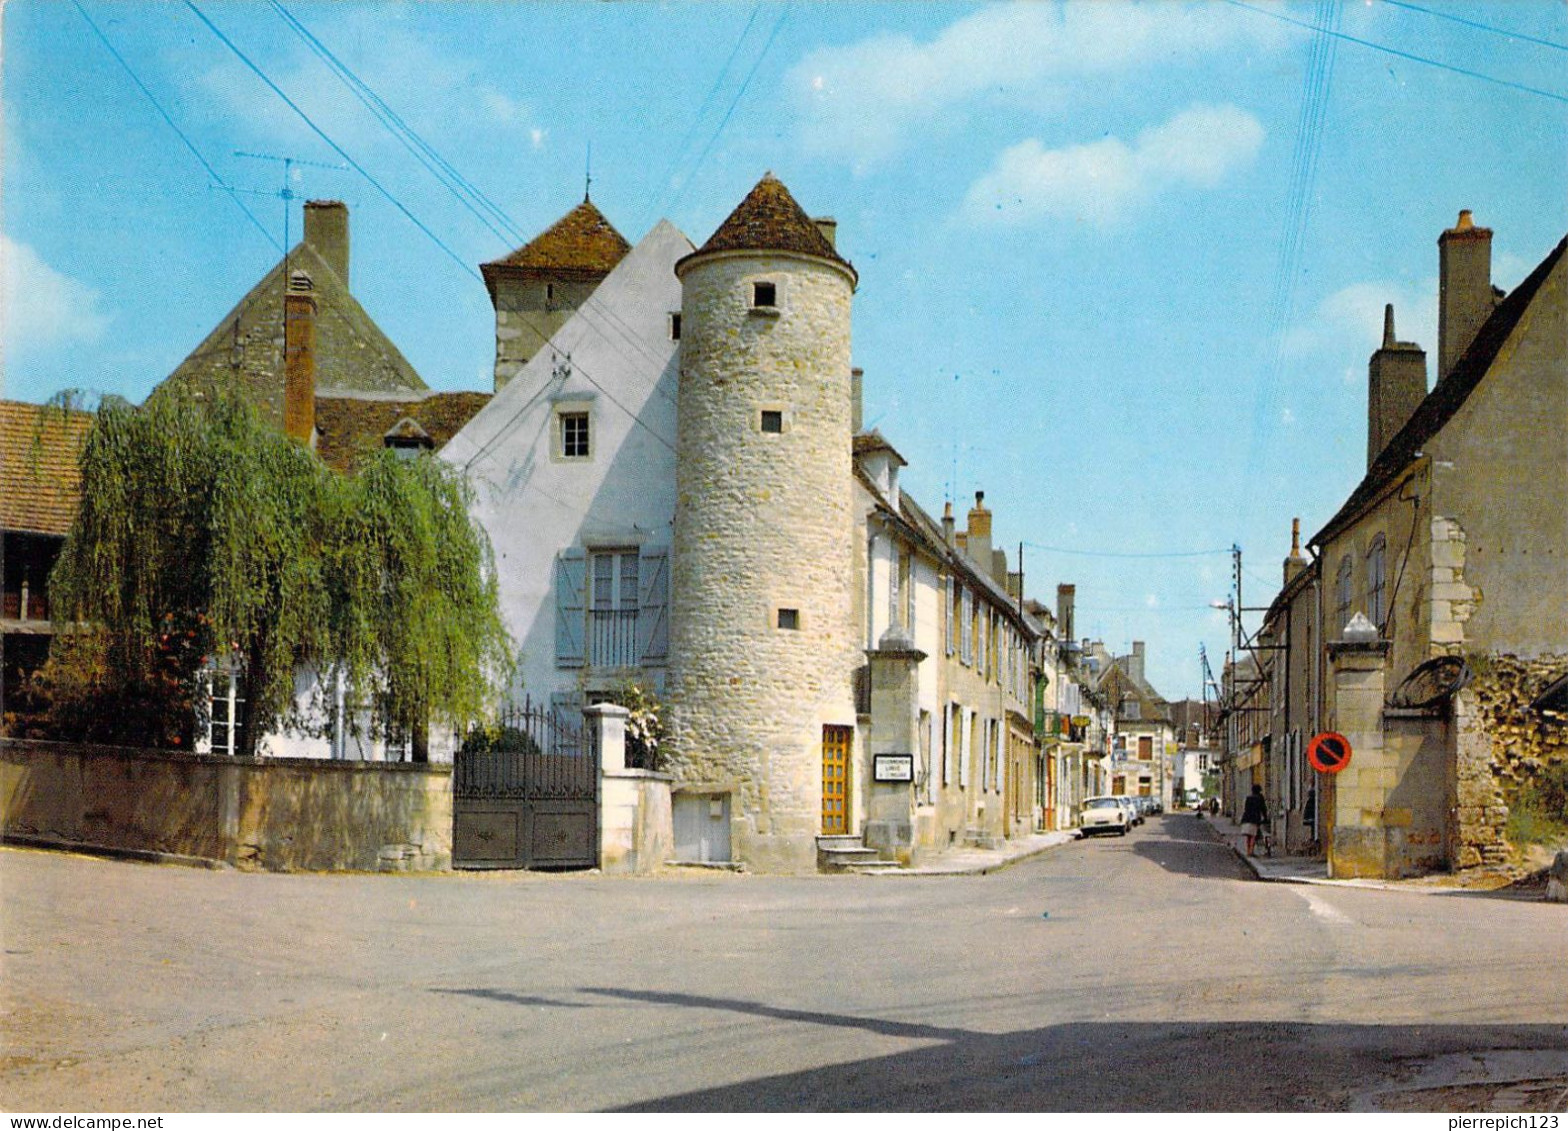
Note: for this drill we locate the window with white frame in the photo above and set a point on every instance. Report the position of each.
(225, 709)
(612, 608)
(573, 433)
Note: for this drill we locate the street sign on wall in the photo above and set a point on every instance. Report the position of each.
(1329, 752)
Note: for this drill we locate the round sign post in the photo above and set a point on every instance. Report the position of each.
(1329, 752)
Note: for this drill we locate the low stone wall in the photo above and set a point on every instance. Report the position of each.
(1501, 745)
(274, 814)
(636, 822)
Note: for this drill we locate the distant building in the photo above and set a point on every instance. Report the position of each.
(40, 477)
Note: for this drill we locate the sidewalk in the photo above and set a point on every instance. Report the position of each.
(1312, 870)
(962, 861)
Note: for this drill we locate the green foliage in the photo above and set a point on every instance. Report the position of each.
(644, 725)
(1539, 814)
(200, 520)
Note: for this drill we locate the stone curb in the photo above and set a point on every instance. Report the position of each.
(981, 868)
(87, 848)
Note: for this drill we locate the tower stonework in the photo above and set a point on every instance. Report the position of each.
(763, 642)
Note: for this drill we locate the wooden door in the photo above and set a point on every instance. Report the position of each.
(835, 780)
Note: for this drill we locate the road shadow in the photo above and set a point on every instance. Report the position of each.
(1136, 1067)
(1186, 845)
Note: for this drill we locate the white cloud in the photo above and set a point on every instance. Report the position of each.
(863, 101)
(454, 94)
(1352, 317)
(40, 308)
(1101, 181)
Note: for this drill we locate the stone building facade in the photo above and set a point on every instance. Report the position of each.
(1448, 560)
(763, 640)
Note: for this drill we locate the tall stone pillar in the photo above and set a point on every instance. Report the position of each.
(1358, 837)
(895, 713)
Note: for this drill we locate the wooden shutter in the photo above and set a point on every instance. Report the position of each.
(952, 619)
(653, 605)
(571, 585)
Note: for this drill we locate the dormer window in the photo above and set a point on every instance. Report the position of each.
(407, 438)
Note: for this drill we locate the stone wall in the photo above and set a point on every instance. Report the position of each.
(275, 815)
(1501, 745)
(763, 522)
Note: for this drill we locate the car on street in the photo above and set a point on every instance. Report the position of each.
(1133, 816)
(1103, 815)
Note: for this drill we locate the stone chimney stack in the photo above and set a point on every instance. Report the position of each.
(999, 567)
(857, 412)
(1396, 386)
(326, 230)
(1297, 561)
(1135, 661)
(299, 359)
(1464, 298)
(978, 533)
(1066, 595)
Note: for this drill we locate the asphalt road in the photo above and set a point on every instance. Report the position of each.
(1139, 973)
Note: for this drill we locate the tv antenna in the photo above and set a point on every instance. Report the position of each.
(288, 196)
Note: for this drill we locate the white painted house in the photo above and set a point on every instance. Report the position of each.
(573, 468)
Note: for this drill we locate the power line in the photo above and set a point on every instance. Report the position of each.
(1509, 83)
(691, 131)
(464, 190)
(734, 102)
(1519, 35)
(1127, 554)
(169, 121)
(336, 148)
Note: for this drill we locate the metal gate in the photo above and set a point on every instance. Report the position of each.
(525, 793)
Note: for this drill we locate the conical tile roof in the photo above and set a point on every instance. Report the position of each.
(582, 240)
(769, 219)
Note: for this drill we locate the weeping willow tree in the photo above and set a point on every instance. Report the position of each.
(206, 537)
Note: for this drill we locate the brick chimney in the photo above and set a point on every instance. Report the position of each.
(978, 533)
(1465, 298)
(299, 359)
(326, 231)
(947, 524)
(1135, 661)
(1396, 386)
(1066, 596)
(1296, 561)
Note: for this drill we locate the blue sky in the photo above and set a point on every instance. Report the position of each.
(1120, 265)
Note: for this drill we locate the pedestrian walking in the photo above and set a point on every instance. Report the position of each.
(1254, 815)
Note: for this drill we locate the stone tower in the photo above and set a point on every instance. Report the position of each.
(763, 644)
(539, 286)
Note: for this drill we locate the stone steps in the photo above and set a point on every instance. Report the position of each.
(849, 854)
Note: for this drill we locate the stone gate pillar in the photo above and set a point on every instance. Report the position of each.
(1356, 797)
(895, 712)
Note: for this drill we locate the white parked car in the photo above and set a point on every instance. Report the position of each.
(1134, 816)
(1104, 815)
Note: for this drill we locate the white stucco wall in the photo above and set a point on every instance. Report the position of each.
(615, 355)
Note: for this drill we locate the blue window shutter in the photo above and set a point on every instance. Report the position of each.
(571, 585)
(653, 605)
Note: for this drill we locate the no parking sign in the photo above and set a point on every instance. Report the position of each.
(1329, 752)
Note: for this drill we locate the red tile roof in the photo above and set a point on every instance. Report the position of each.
(582, 240)
(769, 219)
(349, 427)
(40, 472)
